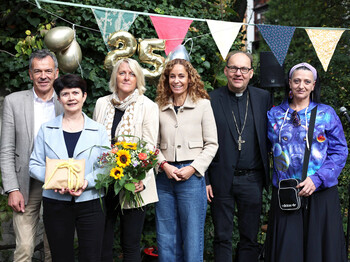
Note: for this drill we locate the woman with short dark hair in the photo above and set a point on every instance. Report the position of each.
(66, 211)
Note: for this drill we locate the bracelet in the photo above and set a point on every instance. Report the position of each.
(162, 164)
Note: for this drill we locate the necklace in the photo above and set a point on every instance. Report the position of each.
(240, 141)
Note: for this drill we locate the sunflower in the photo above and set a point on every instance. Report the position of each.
(123, 158)
(120, 143)
(130, 145)
(117, 173)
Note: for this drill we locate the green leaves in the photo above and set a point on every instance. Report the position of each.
(34, 21)
(130, 187)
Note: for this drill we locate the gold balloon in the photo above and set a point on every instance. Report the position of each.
(125, 46)
(59, 38)
(146, 55)
(70, 58)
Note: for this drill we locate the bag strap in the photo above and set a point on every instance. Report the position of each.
(310, 134)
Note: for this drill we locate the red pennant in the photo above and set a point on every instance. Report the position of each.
(171, 28)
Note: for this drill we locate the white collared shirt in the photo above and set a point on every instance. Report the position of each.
(44, 111)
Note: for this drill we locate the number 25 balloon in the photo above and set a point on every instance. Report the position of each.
(125, 46)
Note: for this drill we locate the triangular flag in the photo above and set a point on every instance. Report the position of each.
(173, 30)
(224, 34)
(324, 42)
(278, 38)
(112, 21)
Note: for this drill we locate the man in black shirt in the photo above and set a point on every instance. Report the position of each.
(240, 168)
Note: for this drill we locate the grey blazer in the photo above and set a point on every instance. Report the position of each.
(17, 139)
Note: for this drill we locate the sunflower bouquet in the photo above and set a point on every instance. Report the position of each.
(124, 164)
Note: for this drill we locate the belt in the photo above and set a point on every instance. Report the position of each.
(244, 172)
(180, 162)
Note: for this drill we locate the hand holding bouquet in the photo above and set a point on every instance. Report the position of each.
(125, 164)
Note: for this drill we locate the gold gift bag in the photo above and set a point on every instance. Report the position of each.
(64, 173)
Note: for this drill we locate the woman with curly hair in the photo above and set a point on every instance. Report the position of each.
(187, 143)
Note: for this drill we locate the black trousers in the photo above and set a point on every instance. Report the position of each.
(312, 234)
(246, 194)
(63, 218)
(131, 226)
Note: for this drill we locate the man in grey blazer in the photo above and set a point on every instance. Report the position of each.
(23, 114)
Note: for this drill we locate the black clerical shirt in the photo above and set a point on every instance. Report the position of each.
(249, 156)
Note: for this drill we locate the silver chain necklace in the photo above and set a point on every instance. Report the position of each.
(240, 141)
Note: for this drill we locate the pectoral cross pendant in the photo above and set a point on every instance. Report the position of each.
(240, 142)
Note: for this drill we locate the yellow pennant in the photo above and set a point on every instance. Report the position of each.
(324, 42)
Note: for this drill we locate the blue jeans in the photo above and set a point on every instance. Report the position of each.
(180, 218)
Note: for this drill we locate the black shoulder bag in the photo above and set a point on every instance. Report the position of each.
(288, 197)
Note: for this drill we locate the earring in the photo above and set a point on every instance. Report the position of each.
(290, 95)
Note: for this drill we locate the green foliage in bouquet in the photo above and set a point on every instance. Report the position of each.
(125, 164)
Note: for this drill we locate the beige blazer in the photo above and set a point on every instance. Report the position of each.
(146, 127)
(188, 135)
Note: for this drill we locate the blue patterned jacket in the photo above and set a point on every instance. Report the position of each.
(329, 150)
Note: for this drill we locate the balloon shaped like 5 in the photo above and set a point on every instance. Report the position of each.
(125, 46)
(146, 55)
(62, 41)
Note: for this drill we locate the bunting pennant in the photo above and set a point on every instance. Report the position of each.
(172, 30)
(278, 38)
(324, 42)
(112, 21)
(224, 34)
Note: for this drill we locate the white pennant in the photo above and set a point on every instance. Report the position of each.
(224, 34)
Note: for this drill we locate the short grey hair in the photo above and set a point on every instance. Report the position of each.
(41, 54)
(249, 55)
(135, 68)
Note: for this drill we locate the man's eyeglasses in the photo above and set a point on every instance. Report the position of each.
(296, 119)
(234, 69)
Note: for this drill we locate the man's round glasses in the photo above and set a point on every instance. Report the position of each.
(234, 69)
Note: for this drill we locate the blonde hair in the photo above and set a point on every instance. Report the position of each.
(195, 85)
(135, 68)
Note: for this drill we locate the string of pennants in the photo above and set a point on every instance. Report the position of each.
(174, 30)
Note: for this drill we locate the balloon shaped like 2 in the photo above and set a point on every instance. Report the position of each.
(125, 46)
